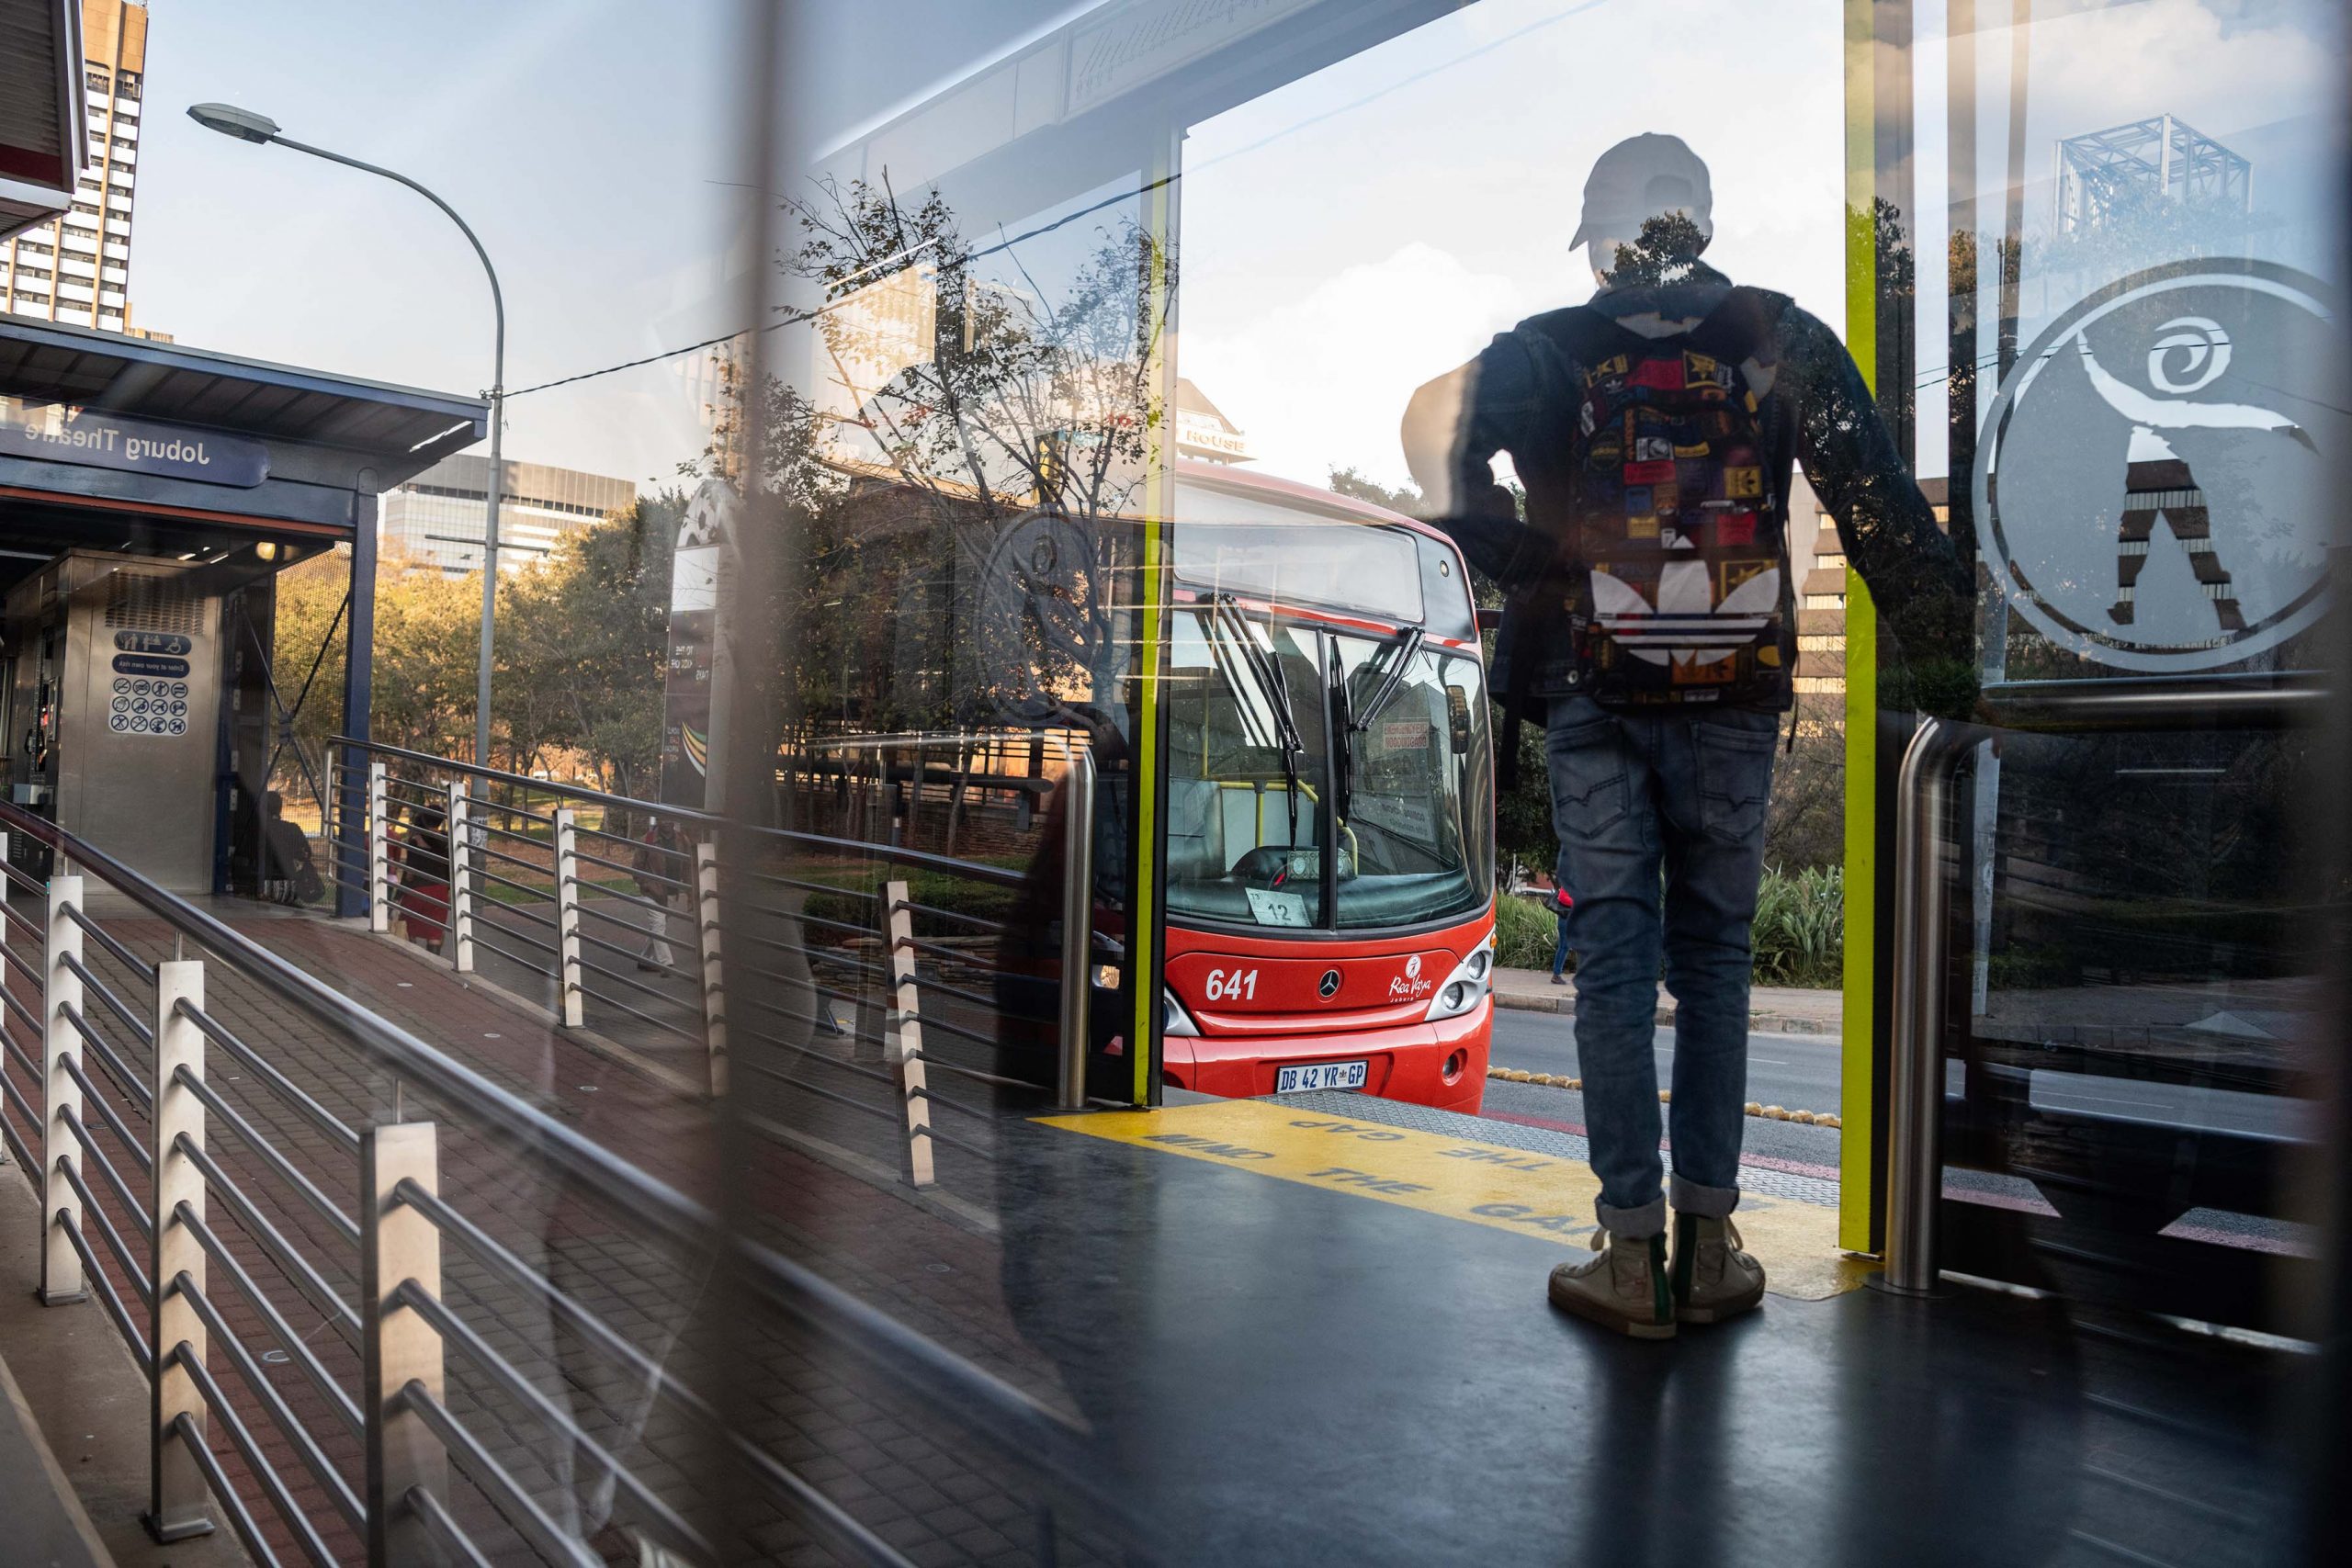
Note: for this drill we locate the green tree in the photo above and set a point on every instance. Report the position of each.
(1667, 252)
(586, 632)
(426, 644)
(1406, 497)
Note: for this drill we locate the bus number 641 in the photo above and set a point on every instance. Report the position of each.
(1232, 985)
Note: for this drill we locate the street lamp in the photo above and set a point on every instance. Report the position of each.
(247, 126)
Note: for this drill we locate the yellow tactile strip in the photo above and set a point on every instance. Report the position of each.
(1535, 1195)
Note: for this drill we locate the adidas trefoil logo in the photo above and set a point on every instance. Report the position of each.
(1686, 625)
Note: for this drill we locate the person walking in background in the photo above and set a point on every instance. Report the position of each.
(1561, 905)
(421, 864)
(289, 873)
(1651, 616)
(660, 866)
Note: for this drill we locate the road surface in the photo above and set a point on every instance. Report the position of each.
(1798, 1071)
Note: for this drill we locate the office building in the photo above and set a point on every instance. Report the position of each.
(76, 268)
(1204, 432)
(1821, 611)
(434, 522)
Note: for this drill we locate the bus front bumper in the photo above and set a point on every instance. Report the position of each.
(1407, 1062)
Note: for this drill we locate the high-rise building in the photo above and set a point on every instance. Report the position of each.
(1821, 614)
(76, 268)
(434, 523)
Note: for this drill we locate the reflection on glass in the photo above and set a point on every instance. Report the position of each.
(1415, 847)
(1248, 781)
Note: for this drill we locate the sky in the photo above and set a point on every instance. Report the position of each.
(590, 152)
(1358, 233)
(1344, 238)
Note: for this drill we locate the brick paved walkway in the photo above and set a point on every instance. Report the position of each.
(935, 1266)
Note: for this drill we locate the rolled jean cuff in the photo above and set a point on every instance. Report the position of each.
(1708, 1202)
(1633, 1224)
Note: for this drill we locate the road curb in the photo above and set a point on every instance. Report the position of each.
(1666, 1097)
(1769, 1023)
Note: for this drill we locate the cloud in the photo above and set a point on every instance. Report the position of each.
(2220, 72)
(1321, 381)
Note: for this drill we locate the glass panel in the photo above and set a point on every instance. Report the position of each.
(1247, 771)
(1414, 844)
(2139, 287)
(1372, 569)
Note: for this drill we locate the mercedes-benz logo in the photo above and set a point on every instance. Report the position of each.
(1329, 986)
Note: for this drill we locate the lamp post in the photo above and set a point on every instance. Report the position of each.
(247, 126)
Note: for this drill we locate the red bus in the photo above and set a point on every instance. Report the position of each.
(1330, 800)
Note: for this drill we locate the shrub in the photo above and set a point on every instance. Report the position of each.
(1525, 931)
(1801, 927)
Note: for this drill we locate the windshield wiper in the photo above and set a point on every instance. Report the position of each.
(1344, 765)
(1270, 685)
(1388, 671)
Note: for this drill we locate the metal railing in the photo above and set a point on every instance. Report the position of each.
(534, 884)
(1923, 812)
(198, 1262)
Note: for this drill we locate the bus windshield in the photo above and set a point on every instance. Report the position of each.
(1413, 828)
(1389, 786)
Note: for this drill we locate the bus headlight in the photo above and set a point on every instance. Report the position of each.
(1466, 987)
(1179, 1021)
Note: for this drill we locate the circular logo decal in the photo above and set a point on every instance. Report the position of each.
(2152, 492)
(1413, 967)
(1329, 986)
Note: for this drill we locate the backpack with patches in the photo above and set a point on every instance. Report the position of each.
(1669, 587)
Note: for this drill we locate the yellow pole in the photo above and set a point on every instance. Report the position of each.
(1859, 1134)
(1160, 496)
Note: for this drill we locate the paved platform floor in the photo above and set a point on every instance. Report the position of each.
(46, 1527)
(1277, 1365)
(1288, 1372)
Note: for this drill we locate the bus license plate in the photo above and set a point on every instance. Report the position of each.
(1320, 1074)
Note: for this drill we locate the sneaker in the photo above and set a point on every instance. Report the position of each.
(1559, 979)
(1712, 1278)
(1622, 1286)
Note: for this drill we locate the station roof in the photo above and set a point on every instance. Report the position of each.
(402, 429)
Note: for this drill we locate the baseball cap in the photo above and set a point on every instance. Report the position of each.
(1638, 179)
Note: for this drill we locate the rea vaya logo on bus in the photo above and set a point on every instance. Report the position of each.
(2152, 492)
(1409, 986)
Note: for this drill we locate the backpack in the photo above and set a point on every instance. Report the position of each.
(1668, 585)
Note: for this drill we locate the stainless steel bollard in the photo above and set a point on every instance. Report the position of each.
(1077, 930)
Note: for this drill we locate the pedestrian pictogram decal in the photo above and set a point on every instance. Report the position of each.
(2154, 491)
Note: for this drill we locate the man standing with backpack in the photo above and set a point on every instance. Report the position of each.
(1651, 620)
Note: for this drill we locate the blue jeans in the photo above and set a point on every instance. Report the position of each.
(1561, 949)
(1660, 819)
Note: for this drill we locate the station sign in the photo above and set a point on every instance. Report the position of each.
(94, 439)
(2155, 491)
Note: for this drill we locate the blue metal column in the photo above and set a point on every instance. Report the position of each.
(358, 669)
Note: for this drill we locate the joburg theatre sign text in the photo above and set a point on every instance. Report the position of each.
(65, 433)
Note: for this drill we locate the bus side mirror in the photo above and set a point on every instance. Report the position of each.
(1457, 720)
